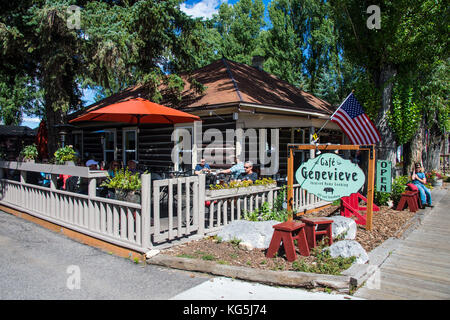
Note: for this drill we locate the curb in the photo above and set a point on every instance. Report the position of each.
(340, 283)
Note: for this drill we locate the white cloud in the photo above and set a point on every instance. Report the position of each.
(33, 119)
(204, 8)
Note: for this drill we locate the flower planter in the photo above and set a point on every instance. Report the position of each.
(69, 163)
(239, 191)
(437, 183)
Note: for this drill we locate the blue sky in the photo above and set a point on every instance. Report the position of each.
(194, 8)
(206, 8)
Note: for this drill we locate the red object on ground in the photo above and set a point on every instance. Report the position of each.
(350, 206)
(317, 228)
(410, 198)
(287, 232)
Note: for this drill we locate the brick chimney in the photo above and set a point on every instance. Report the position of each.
(257, 62)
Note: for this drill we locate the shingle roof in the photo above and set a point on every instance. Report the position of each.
(230, 82)
(6, 130)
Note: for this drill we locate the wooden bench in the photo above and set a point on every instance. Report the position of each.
(411, 199)
(286, 233)
(316, 229)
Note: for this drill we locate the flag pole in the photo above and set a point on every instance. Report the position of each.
(335, 112)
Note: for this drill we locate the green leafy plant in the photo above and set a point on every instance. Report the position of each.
(266, 212)
(324, 263)
(29, 152)
(242, 184)
(123, 180)
(64, 154)
(398, 187)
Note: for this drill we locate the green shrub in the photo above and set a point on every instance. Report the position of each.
(64, 154)
(398, 187)
(123, 180)
(381, 198)
(265, 212)
(29, 152)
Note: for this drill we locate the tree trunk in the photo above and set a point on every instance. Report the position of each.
(386, 149)
(413, 150)
(433, 149)
(53, 118)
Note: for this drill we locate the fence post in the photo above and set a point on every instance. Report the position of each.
(92, 192)
(146, 210)
(201, 203)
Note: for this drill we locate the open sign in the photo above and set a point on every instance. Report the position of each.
(384, 176)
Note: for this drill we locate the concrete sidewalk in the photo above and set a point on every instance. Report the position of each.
(418, 263)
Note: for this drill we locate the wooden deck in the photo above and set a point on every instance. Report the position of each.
(419, 269)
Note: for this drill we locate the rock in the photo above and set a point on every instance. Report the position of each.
(246, 246)
(344, 227)
(348, 248)
(152, 253)
(256, 233)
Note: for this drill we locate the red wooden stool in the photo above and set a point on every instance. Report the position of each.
(409, 198)
(317, 228)
(287, 232)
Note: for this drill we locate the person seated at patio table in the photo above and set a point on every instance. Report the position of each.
(113, 167)
(202, 167)
(248, 174)
(92, 164)
(235, 170)
(132, 166)
(419, 180)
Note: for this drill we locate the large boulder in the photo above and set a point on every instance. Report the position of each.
(348, 248)
(343, 227)
(256, 233)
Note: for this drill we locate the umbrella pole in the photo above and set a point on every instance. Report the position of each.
(137, 137)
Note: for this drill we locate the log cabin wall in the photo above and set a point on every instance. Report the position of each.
(224, 152)
(155, 147)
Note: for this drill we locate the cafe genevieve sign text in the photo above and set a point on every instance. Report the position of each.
(330, 177)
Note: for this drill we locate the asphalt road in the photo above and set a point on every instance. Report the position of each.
(37, 264)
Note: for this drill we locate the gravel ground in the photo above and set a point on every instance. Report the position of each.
(386, 223)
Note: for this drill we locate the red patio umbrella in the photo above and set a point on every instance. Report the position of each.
(42, 141)
(137, 111)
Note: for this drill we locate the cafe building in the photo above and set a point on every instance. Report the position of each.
(235, 96)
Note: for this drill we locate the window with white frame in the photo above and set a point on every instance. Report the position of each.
(129, 144)
(109, 145)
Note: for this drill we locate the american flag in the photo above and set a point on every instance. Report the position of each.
(355, 123)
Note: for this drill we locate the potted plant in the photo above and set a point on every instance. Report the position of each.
(65, 155)
(126, 184)
(29, 153)
(435, 178)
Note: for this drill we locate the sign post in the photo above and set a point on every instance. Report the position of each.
(333, 174)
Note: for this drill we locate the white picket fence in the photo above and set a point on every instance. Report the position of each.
(170, 209)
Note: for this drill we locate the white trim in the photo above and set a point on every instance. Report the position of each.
(320, 115)
(124, 151)
(176, 165)
(113, 130)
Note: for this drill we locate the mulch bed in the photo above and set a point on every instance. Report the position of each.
(386, 223)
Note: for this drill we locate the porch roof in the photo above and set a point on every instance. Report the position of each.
(230, 83)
